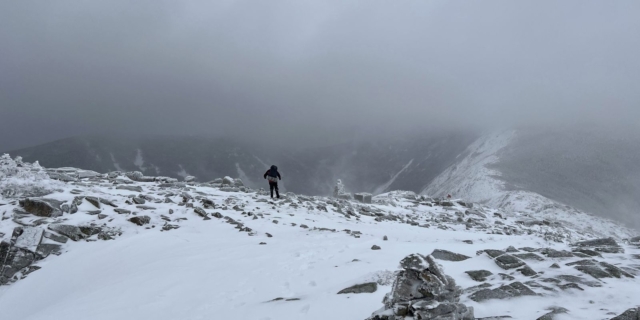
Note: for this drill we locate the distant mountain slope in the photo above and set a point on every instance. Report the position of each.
(595, 171)
(364, 166)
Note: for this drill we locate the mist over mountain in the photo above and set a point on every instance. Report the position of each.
(363, 165)
(595, 170)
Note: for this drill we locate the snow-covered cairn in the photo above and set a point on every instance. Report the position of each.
(18, 178)
(422, 291)
(339, 192)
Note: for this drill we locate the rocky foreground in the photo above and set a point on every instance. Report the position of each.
(552, 270)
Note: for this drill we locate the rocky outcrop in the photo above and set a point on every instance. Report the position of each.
(422, 291)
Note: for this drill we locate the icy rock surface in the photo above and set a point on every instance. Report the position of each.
(422, 291)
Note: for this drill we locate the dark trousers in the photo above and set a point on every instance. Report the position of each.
(272, 186)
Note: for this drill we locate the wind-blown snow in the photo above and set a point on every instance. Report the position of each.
(385, 186)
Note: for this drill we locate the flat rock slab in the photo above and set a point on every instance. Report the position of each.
(69, 231)
(576, 279)
(529, 256)
(552, 253)
(130, 188)
(145, 207)
(479, 275)
(515, 289)
(94, 201)
(492, 253)
(368, 287)
(607, 245)
(122, 211)
(507, 261)
(448, 255)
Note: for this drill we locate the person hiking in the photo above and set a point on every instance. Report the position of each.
(273, 176)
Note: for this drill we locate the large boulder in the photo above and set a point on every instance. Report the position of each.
(422, 291)
(227, 181)
(42, 207)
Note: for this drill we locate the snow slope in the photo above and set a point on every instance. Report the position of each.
(476, 179)
(217, 269)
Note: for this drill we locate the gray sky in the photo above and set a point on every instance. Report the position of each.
(312, 70)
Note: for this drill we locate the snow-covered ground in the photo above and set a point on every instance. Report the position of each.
(217, 268)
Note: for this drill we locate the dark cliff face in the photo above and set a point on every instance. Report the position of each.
(364, 166)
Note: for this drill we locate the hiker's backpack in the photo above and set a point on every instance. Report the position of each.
(273, 174)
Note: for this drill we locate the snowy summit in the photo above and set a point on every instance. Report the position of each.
(78, 244)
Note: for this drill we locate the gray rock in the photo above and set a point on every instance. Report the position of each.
(579, 280)
(492, 253)
(587, 252)
(448, 255)
(479, 275)
(227, 181)
(140, 220)
(363, 197)
(615, 271)
(130, 188)
(527, 271)
(552, 253)
(94, 201)
(41, 207)
(570, 286)
(122, 211)
(107, 202)
(515, 289)
(200, 212)
(146, 207)
(554, 311)
(368, 287)
(511, 249)
(137, 200)
(422, 291)
(507, 261)
(94, 212)
(555, 266)
(46, 249)
(90, 230)
(630, 314)
(55, 237)
(608, 245)
(69, 231)
(529, 256)
(375, 247)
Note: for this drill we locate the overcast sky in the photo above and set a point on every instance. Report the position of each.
(312, 70)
